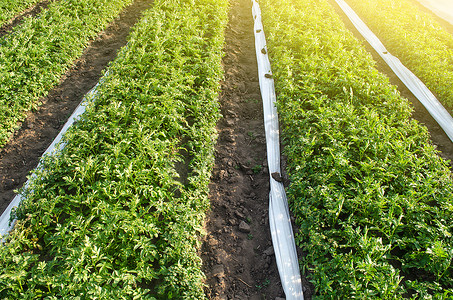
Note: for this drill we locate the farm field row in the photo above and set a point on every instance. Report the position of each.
(27, 144)
(420, 112)
(416, 39)
(119, 211)
(238, 256)
(9, 9)
(39, 51)
(441, 8)
(371, 197)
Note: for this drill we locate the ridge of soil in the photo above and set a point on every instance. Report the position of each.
(29, 12)
(237, 253)
(23, 152)
(439, 138)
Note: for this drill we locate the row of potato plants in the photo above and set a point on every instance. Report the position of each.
(371, 196)
(419, 41)
(10, 8)
(38, 52)
(118, 213)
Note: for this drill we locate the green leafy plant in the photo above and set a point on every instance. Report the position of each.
(371, 196)
(257, 169)
(114, 216)
(263, 285)
(9, 9)
(419, 41)
(40, 50)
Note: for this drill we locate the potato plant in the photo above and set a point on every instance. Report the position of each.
(416, 39)
(372, 198)
(38, 52)
(119, 212)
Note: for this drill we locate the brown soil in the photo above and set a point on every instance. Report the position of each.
(237, 251)
(30, 12)
(41, 127)
(438, 136)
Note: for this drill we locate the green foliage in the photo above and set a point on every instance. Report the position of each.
(415, 38)
(118, 213)
(40, 50)
(265, 284)
(370, 194)
(11, 8)
(257, 169)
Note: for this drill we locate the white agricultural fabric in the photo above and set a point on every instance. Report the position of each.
(279, 218)
(442, 8)
(5, 225)
(415, 85)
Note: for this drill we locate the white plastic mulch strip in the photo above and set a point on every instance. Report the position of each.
(442, 8)
(279, 218)
(415, 85)
(6, 224)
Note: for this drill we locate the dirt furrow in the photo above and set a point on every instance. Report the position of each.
(237, 251)
(39, 129)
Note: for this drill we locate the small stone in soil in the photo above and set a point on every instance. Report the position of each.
(244, 227)
(220, 174)
(239, 214)
(231, 113)
(229, 122)
(213, 242)
(9, 184)
(229, 138)
(218, 271)
(269, 251)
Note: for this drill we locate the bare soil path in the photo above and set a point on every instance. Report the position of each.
(40, 128)
(237, 252)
